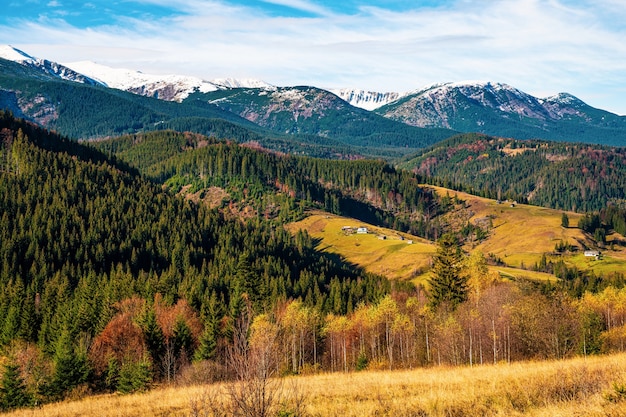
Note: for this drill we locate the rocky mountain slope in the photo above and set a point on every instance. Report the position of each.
(368, 100)
(349, 116)
(502, 110)
(316, 112)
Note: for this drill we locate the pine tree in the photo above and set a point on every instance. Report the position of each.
(134, 376)
(448, 284)
(183, 338)
(207, 343)
(153, 334)
(13, 393)
(71, 367)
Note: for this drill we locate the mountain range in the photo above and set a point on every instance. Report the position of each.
(344, 122)
(502, 110)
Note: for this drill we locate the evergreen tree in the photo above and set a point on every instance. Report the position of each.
(153, 335)
(183, 338)
(448, 284)
(13, 393)
(134, 376)
(207, 343)
(565, 220)
(71, 367)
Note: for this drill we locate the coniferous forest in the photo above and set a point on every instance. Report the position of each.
(120, 272)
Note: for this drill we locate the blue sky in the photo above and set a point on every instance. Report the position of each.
(539, 46)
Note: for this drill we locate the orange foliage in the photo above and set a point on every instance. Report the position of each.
(121, 339)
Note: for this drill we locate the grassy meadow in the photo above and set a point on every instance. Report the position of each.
(520, 235)
(387, 252)
(592, 386)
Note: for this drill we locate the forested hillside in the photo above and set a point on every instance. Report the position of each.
(281, 186)
(112, 281)
(89, 250)
(566, 176)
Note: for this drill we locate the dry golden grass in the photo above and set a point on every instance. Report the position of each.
(392, 257)
(522, 233)
(575, 387)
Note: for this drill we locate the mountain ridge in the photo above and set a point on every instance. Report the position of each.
(502, 110)
(487, 107)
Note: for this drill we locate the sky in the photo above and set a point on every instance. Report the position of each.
(542, 47)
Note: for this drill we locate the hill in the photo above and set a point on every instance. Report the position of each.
(519, 242)
(501, 110)
(113, 282)
(395, 255)
(87, 245)
(276, 186)
(566, 176)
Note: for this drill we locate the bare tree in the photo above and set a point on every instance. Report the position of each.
(253, 358)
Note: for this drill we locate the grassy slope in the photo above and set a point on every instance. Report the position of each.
(391, 257)
(524, 233)
(520, 234)
(579, 386)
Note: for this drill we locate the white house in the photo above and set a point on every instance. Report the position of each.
(362, 230)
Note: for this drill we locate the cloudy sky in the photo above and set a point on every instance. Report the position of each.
(539, 46)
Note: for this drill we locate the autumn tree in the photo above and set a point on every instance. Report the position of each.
(254, 357)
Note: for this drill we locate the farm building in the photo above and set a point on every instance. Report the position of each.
(362, 230)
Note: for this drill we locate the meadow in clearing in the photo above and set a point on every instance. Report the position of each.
(591, 386)
(519, 236)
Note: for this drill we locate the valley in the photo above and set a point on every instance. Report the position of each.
(176, 246)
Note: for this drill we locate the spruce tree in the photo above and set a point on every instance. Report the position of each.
(448, 283)
(208, 342)
(13, 393)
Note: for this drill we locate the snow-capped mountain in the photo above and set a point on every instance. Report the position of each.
(165, 87)
(368, 100)
(49, 67)
(440, 105)
(169, 87)
(502, 110)
(493, 108)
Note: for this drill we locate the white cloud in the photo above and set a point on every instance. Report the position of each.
(540, 46)
(302, 5)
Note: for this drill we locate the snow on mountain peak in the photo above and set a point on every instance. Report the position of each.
(49, 67)
(242, 83)
(368, 100)
(13, 54)
(170, 87)
(167, 87)
(562, 98)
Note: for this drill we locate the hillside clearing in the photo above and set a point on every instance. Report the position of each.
(387, 252)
